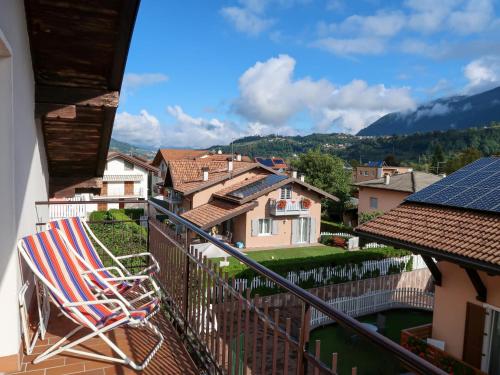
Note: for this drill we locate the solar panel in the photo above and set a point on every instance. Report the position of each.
(279, 161)
(265, 162)
(256, 186)
(476, 186)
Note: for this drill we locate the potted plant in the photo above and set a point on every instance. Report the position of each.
(306, 203)
(281, 204)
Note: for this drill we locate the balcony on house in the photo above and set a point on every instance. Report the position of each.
(288, 207)
(209, 325)
(172, 196)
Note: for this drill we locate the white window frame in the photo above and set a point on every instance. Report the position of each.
(269, 227)
(286, 192)
(374, 206)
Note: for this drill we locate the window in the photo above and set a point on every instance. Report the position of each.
(366, 173)
(128, 165)
(265, 227)
(286, 192)
(373, 202)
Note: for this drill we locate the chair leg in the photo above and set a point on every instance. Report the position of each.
(123, 358)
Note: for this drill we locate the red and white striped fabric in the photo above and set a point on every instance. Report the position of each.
(81, 242)
(51, 256)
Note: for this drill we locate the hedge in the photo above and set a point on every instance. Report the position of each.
(330, 226)
(121, 238)
(283, 266)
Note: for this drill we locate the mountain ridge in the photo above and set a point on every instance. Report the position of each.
(455, 112)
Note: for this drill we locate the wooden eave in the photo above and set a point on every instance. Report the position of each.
(78, 50)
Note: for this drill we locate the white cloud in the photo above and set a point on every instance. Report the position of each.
(135, 80)
(246, 20)
(142, 129)
(269, 94)
(369, 34)
(436, 109)
(380, 24)
(346, 47)
(482, 74)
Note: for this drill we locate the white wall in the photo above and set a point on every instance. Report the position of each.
(116, 167)
(22, 163)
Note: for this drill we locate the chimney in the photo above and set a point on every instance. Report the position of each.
(205, 173)
(238, 157)
(387, 179)
(302, 177)
(294, 173)
(229, 164)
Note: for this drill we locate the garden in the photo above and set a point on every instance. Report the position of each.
(354, 351)
(120, 231)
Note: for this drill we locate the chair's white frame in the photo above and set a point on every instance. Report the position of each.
(119, 303)
(154, 266)
(120, 269)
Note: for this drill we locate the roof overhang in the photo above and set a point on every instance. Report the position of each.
(78, 51)
(463, 261)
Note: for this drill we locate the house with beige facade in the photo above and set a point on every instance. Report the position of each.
(385, 193)
(377, 169)
(455, 225)
(244, 202)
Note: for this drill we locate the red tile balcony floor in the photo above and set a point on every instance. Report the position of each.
(171, 359)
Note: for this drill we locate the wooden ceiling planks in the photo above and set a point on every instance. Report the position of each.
(79, 49)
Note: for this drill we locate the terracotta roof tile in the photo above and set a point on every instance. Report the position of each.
(215, 212)
(472, 234)
(187, 174)
(169, 154)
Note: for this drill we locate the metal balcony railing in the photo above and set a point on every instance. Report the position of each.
(283, 207)
(238, 332)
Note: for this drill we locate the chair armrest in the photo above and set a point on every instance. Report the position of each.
(155, 262)
(127, 278)
(112, 268)
(120, 304)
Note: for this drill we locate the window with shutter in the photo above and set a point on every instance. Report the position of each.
(473, 336)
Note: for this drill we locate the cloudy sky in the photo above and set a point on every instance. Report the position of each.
(201, 73)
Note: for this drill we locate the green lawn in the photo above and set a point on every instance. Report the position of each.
(353, 351)
(286, 253)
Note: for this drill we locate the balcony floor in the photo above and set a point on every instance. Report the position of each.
(171, 359)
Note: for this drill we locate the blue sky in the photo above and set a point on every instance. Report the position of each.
(201, 73)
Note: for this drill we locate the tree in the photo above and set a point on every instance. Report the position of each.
(391, 160)
(460, 160)
(437, 159)
(328, 173)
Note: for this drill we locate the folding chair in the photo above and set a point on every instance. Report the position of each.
(52, 259)
(77, 233)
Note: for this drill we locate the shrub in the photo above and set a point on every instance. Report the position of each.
(363, 217)
(330, 226)
(348, 259)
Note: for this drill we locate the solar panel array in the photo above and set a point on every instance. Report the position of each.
(476, 186)
(279, 161)
(265, 162)
(256, 186)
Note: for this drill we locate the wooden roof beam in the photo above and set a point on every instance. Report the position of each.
(57, 95)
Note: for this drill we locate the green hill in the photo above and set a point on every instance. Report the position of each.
(406, 148)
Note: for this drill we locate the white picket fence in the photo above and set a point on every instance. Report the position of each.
(373, 245)
(324, 275)
(338, 234)
(376, 301)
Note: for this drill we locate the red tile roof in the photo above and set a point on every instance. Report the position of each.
(215, 212)
(444, 230)
(169, 154)
(187, 175)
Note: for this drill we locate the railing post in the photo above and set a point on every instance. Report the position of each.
(303, 339)
(186, 278)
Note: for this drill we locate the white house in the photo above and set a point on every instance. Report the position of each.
(127, 177)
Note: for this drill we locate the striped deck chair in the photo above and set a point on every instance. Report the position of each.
(54, 263)
(77, 232)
